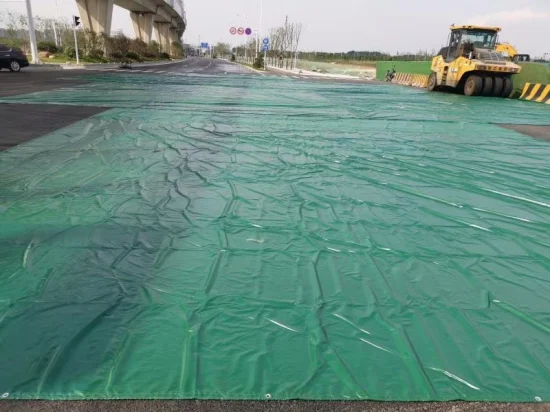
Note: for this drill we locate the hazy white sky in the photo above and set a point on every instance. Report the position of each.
(393, 25)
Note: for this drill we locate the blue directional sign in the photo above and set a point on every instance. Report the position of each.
(265, 47)
(266, 41)
(204, 45)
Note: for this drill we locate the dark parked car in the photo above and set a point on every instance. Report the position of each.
(12, 58)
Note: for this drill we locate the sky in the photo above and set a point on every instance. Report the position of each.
(344, 25)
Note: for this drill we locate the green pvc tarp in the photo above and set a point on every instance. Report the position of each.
(250, 237)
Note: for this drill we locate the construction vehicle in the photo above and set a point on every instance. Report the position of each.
(471, 64)
(509, 51)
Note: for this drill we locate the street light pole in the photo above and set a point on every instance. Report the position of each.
(32, 35)
(55, 34)
(75, 41)
(245, 36)
(57, 22)
(261, 16)
(257, 38)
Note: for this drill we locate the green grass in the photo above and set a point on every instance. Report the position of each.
(411, 67)
(360, 63)
(531, 73)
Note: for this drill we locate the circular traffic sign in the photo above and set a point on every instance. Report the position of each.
(233, 30)
(240, 31)
(266, 41)
(248, 31)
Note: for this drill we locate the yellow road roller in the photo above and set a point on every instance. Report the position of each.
(471, 63)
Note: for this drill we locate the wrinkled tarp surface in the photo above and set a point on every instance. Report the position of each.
(248, 237)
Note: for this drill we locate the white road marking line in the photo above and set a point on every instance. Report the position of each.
(148, 71)
(160, 71)
(296, 77)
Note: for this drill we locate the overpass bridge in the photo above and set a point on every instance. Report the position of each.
(166, 17)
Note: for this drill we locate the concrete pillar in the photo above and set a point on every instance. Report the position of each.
(162, 32)
(174, 36)
(143, 25)
(96, 15)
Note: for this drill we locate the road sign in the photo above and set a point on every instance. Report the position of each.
(266, 41)
(248, 31)
(240, 31)
(204, 45)
(233, 30)
(265, 47)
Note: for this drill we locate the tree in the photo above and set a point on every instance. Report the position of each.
(276, 46)
(251, 47)
(222, 49)
(285, 41)
(295, 39)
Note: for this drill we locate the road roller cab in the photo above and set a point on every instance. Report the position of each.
(471, 64)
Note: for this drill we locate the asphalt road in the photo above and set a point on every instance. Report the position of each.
(39, 79)
(268, 406)
(43, 119)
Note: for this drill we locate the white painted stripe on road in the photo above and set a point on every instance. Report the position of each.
(160, 71)
(297, 77)
(148, 71)
(134, 70)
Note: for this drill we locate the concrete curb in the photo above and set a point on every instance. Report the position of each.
(308, 73)
(248, 67)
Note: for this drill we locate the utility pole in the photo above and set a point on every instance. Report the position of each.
(32, 35)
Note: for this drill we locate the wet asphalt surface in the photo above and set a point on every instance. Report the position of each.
(31, 121)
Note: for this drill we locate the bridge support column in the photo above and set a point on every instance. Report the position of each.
(143, 25)
(162, 31)
(174, 36)
(96, 15)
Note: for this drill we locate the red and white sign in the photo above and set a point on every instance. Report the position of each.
(240, 31)
(233, 30)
